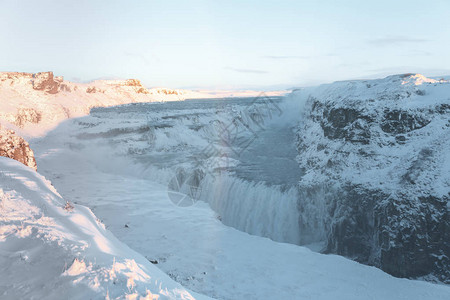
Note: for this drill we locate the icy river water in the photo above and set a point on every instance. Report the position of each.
(269, 157)
(255, 190)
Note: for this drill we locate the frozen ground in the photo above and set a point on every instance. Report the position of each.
(92, 164)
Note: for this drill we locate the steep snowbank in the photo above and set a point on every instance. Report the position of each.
(53, 249)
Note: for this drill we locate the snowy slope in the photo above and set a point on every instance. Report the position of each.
(37, 102)
(377, 172)
(52, 250)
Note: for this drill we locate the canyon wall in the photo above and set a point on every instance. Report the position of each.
(376, 156)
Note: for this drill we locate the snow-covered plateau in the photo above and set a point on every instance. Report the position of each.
(224, 198)
(39, 101)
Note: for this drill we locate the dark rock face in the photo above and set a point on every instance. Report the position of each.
(348, 124)
(354, 235)
(17, 148)
(397, 121)
(405, 237)
(377, 181)
(416, 244)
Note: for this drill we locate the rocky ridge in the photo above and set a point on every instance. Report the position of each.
(36, 102)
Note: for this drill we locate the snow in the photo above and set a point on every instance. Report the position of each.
(175, 146)
(52, 253)
(191, 244)
(412, 92)
(385, 140)
(18, 98)
(419, 79)
(95, 163)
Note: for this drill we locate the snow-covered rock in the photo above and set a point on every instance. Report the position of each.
(44, 81)
(53, 249)
(376, 157)
(37, 102)
(15, 147)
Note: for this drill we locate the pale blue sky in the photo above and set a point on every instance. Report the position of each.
(226, 44)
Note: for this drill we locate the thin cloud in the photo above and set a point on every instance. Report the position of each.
(417, 53)
(378, 73)
(396, 40)
(247, 70)
(89, 80)
(299, 57)
(286, 57)
(353, 65)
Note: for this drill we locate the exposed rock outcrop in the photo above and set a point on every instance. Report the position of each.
(377, 179)
(45, 99)
(27, 115)
(45, 81)
(13, 76)
(65, 88)
(136, 85)
(92, 90)
(168, 91)
(15, 147)
(132, 82)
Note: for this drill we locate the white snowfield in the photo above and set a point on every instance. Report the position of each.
(36, 112)
(50, 250)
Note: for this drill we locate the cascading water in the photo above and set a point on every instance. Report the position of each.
(253, 207)
(257, 193)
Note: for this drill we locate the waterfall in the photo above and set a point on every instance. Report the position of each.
(255, 208)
